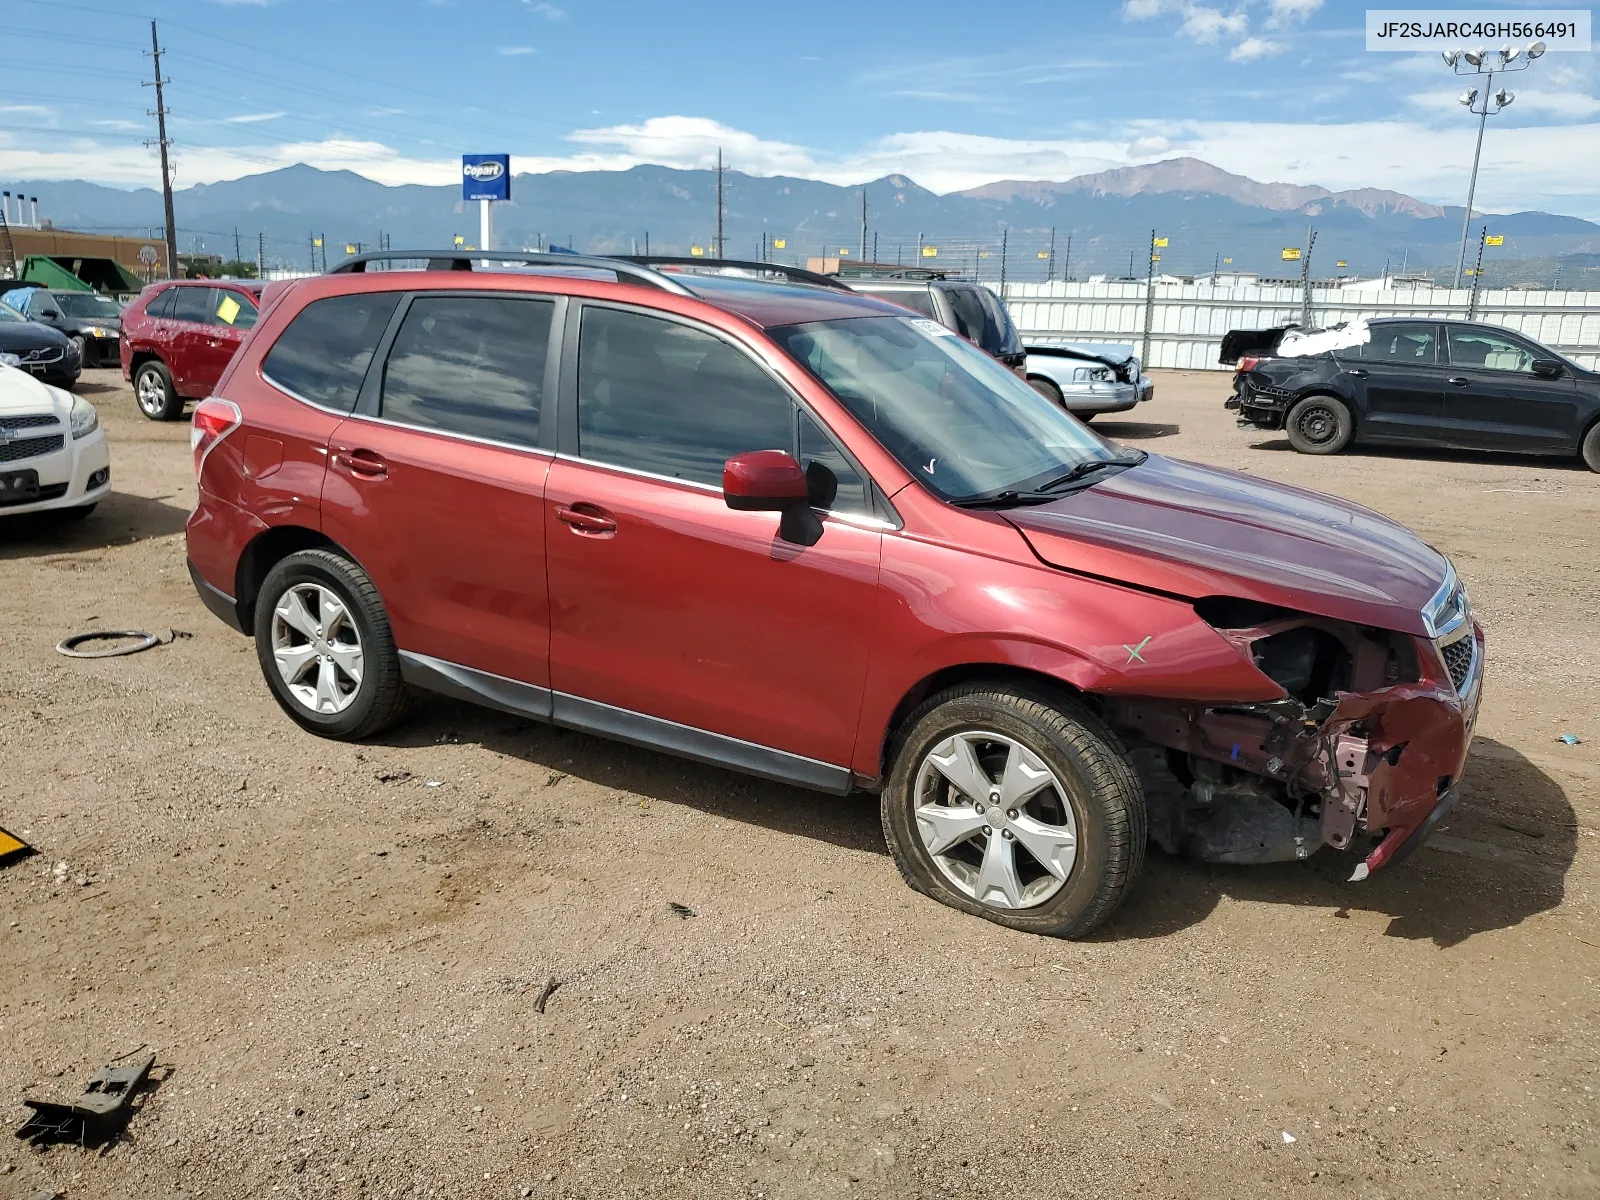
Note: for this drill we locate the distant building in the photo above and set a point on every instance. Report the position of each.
(143, 258)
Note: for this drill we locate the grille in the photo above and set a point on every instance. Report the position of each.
(1458, 660)
(50, 491)
(32, 421)
(48, 354)
(31, 447)
(1269, 393)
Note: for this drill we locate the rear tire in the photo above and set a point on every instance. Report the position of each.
(1320, 425)
(338, 673)
(943, 838)
(1591, 448)
(153, 390)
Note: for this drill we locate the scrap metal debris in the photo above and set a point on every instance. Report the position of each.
(136, 640)
(94, 1117)
(680, 910)
(545, 992)
(1570, 739)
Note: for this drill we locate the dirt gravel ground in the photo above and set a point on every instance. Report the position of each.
(335, 950)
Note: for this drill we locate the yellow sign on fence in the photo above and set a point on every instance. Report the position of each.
(930, 252)
(1291, 253)
(1341, 263)
(1161, 243)
(460, 241)
(697, 251)
(779, 243)
(1227, 262)
(1494, 239)
(1043, 254)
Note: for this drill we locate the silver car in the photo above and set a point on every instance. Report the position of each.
(1088, 378)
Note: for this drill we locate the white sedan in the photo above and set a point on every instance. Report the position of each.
(53, 453)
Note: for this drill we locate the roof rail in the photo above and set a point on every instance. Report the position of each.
(462, 260)
(868, 270)
(794, 274)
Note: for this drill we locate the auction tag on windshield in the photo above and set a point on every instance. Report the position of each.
(932, 328)
(228, 309)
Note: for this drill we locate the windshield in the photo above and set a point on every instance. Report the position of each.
(86, 304)
(954, 417)
(7, 313)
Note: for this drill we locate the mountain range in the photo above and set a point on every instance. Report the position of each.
(1207, 215)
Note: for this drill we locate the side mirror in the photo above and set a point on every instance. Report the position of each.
(771, 481)
(1547, 368)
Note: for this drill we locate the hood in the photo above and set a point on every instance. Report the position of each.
(1198, 531)
(79, 324)
(1100, 352)
(29, 335)
(21, 393)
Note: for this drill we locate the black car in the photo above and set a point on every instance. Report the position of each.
(91, 321)
(44, 352)
(971, 309)
(1419, 382)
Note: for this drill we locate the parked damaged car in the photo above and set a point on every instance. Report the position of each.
(1088, 379)
(1414, 381)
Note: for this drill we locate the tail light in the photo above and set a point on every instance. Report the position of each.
(214, 419)
(1250, 362)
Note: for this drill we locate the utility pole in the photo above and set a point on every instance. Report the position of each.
(719, 202)
(1066, 270)
(261, 255)
(1050, 267)
(312, 238)
(237, 255)
(1472, 185)
(1149, 299)
(863, 225)
(647, 243)
(1004, 233)
(1477, 273)
(874, 245)
(160, 115)
(1305, 279)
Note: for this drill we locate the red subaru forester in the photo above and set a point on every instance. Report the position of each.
(803, 533)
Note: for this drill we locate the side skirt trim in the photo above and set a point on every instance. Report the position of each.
(621, 724)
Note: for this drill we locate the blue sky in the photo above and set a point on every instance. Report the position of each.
(952, 94)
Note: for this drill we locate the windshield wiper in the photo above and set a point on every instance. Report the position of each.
(1051, 490)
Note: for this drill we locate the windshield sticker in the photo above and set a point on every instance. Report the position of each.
(931, 328)
(228, 309)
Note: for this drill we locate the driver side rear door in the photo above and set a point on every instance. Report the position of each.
(1397, 381)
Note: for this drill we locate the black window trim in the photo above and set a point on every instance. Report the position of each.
(369, 400)
(884, 516)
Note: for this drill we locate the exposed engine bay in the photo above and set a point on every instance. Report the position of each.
(1368, 739)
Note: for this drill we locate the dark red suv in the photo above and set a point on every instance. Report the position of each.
(811, 536)
(178, 337)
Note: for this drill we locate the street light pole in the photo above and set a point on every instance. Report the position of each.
(1472, 185)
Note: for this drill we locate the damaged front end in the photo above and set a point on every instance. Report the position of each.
(1369, 738)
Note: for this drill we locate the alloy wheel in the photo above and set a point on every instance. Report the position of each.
(995, 819)
(151, 393)
(317, 648)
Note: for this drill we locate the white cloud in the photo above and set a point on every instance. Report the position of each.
(119, 123)
(27, 110)
(1282, 12)
(1209, 25)
(1253, 48)
(549, 12)
(1149, 147)
(514, 51)
(1143, 10)
(253, 118)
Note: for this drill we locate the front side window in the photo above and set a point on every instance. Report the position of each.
(194, 304)
(953, 417)
(472, 365)
(323, 354)
(657, 396)
(1417, 345)
(1488, 351)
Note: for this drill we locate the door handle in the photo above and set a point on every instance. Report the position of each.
(1459, 381)
(361, 462)
(586, 519)
(1359, 372)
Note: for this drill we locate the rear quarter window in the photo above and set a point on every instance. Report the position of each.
(323, 353)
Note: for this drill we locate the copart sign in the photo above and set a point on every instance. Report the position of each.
(486, 177)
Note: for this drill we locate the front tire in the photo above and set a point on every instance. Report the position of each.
(1320, 425)
(326, 649)
(1015, 805)
(158, 399)
(81, 344)
(1047, 389)
(1591, 448)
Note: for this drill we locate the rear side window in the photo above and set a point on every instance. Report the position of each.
(1414, 344)
(919, 300)
(657, 396)
(471, 365)
(193, 304)
(323, 354)
(233, 308)
(161, 304)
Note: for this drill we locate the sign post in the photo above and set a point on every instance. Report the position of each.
(485, 178)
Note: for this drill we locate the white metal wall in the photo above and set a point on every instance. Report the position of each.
(1191, 318)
